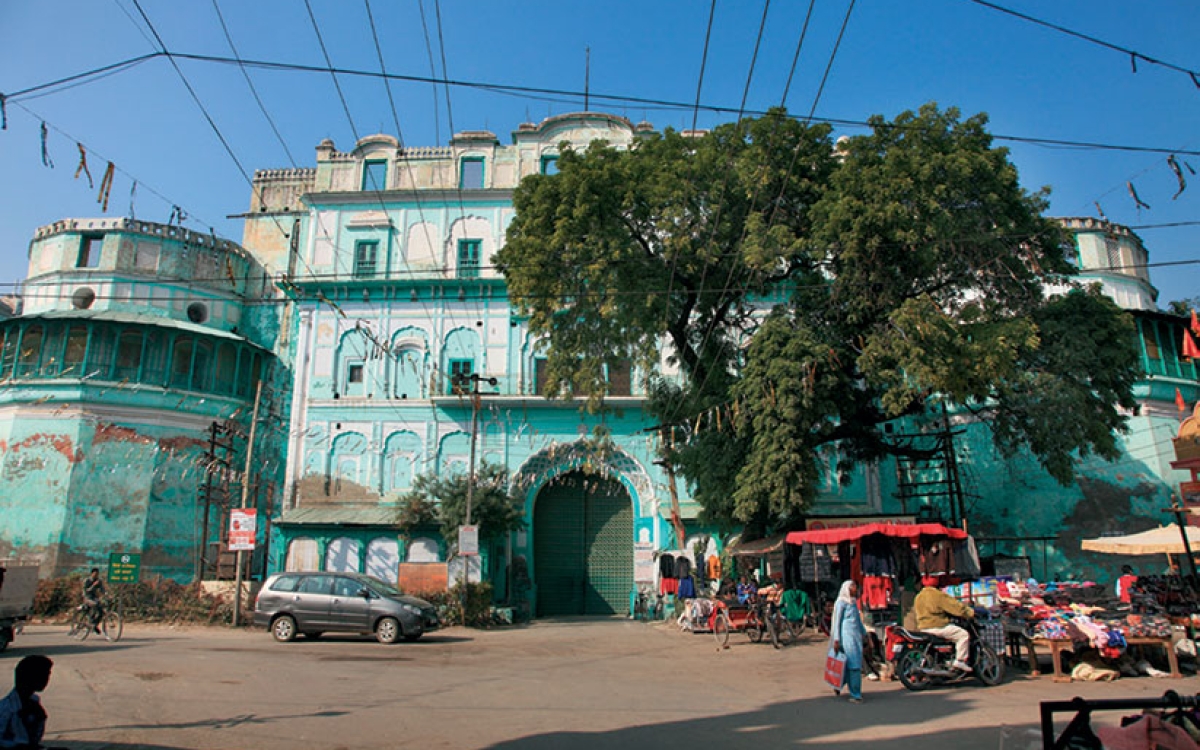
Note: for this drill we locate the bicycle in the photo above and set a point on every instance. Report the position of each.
(750, 620)
(782, 630)
(112, 625)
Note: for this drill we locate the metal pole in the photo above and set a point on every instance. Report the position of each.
(474, 430)
(208, 482)
(237, 593)
(1187, 547)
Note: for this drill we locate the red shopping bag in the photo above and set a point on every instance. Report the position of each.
(835, 669)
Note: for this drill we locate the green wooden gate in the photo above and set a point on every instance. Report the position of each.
(583, 546)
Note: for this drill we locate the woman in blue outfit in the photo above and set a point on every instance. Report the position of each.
(846, 634)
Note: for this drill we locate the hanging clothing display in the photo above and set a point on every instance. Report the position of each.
(877, 557)
(937, 556)
(877, 591)
(668, 583)
(815, 565)
(966, 559)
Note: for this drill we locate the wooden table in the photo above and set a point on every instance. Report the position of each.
(1057, 645)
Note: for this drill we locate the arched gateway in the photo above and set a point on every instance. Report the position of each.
(583, 546)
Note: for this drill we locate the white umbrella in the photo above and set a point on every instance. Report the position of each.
(1163, 540)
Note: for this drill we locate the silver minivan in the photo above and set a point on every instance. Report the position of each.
(309, 604)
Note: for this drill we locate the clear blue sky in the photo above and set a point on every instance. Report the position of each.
(1034, 82)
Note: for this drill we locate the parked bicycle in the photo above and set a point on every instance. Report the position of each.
(647, 605)
(751, 620)
(784, 631)
(84, 621)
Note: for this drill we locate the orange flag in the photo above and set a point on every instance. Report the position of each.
(1195, 324)
(1190, 349)
(1179, 402)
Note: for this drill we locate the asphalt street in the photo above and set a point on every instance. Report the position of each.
(577, 683)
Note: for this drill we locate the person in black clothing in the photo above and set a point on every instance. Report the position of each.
(93, 599)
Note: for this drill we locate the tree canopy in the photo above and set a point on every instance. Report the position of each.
(812, 292)
(442, 502)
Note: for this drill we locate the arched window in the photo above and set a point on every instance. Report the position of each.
(409, 380)
(77, 344)
(226, 367)
(202, 364)
(100, 353)
(342, 555)
(52, 351)
(31, 348)
(8, 354)
(383, 559)
(400, 455)
(349, 464)
(181, 362)
(352, 375)
(302, 555)
(129, 355)
(154, 364)
(243, 372)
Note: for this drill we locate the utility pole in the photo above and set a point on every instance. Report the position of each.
(460, 382)
(216, 463)
(237, 594)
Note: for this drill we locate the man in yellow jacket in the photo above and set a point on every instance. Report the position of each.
(934, 608)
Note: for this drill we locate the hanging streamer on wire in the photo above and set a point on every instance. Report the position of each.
(1140, 203)
(83, 166)
(1173, 163)
(3, 113)
(46, 160)
(105, 187)
(132, 196)
(1099, 210)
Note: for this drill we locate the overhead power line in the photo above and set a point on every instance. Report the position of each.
(578, 95)
(1134, 55)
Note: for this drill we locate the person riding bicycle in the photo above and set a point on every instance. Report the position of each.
(934, 608)
(93, 599)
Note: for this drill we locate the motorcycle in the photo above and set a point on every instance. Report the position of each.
(924, 660)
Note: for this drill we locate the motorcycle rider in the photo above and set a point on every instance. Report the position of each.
(934, 608)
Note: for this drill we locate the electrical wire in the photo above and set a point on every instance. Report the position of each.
(526, 91)
(250, 83)
(1133, 55)
(712, 12)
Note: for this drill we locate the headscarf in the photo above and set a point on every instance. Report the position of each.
(844, 593)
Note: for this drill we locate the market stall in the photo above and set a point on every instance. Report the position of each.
(888, 560)
(1107, 638)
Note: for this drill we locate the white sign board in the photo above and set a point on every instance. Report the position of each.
(644, 567)
(468, 540)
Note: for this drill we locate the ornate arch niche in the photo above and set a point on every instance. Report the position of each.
(561, 458)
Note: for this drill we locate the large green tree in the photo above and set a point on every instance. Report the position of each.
(442, 502)
(813, 292)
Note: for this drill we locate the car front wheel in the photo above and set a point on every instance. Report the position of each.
(388, 630)
(284, 628)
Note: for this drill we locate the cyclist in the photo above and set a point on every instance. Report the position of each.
(93, 600)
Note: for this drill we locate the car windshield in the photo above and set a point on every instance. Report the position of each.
(381, 588)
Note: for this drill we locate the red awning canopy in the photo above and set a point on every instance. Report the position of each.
(852, 533)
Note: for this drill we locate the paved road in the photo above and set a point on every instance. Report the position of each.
(554, 684)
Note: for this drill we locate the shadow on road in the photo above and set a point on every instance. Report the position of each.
(886, 721)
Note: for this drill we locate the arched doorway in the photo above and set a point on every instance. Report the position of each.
(583, 546)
